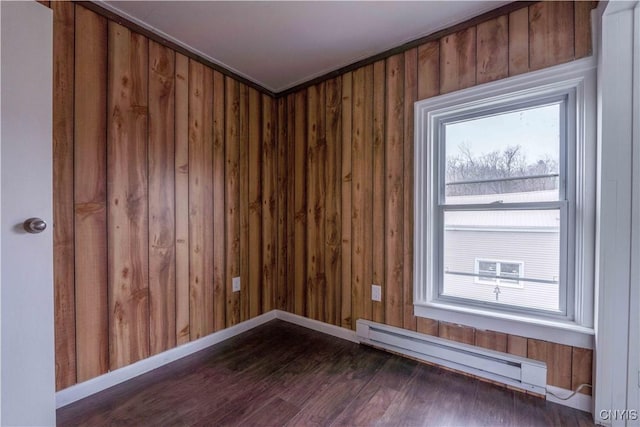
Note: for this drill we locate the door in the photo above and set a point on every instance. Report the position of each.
(27, 393)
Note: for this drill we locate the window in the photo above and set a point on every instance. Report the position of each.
(505, 177)
(498, 273)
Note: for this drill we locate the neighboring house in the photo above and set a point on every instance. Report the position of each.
(484, 244)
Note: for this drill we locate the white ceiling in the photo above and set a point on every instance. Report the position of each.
(279, 44)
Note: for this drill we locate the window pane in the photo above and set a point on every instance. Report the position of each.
(521, 248)
(510, 157)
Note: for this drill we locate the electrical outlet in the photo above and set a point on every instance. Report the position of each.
(376, 293)
(235, 284)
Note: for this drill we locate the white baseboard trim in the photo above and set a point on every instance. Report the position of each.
(580, 401)
(336, 331)
(97, 384)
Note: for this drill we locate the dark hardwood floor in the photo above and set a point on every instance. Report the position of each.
(283, 374)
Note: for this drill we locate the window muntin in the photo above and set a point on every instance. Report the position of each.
(502, 188)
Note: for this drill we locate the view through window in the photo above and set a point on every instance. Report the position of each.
(502, 206)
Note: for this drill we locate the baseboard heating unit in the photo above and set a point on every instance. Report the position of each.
(519, 372)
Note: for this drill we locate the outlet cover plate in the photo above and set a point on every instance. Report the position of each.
(376, 293)
(235, 284)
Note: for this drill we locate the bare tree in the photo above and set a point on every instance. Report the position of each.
(493, 172)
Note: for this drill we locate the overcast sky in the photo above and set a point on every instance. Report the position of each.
(535, 130)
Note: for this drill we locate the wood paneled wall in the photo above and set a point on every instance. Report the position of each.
(347, 218)
(171, 178)
(164, 190)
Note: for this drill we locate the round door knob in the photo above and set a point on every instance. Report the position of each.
(35, 225)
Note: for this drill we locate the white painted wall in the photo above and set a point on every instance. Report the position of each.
(616, 347)
(27, 391)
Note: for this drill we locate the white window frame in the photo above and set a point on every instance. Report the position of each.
(481, 280)
(575, 326)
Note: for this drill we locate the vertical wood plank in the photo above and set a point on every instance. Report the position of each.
(558, 360)
(492, 50)
(517, 345)
(182, 197)
(346, 317)
(90, 188)
(63, 194)
(361, 256)
(460, 333)
(282, 205)
(269, 203)
(200, 200)
(313, 214)
(254, 177)
(333, 199)
(428, 70)
(320, 209)
(127, 195)
(551, 33)
(581, 369)
(410, 97)
(219, 267)
(232, 196)
(378, 187)
(291, 206)
(427, 326)
(492, 340)
(519, 41)
(300, 206)
(582, 33)
(162, 279)
(458, 60)
(394, 194)
(243, 167)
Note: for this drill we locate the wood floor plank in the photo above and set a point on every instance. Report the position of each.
(308, 378)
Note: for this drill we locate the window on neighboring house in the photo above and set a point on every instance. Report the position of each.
(498, 273)
(505, 172)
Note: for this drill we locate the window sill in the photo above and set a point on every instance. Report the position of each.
(567, 333)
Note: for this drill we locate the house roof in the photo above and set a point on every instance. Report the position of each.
(531, 220)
